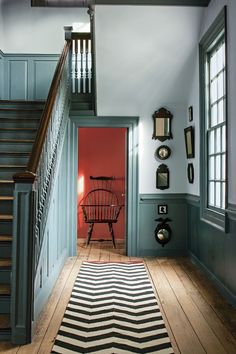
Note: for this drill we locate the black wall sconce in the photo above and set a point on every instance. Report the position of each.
(162, 177)
(162, 124)
(163, 231)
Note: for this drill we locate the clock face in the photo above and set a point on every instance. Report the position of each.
(163, 152)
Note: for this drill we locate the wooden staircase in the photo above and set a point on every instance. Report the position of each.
(19, 121)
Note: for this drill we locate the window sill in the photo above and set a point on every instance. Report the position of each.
(215, 219)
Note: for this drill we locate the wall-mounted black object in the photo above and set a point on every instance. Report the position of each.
(163, 231)
(162, 124)
(189, 141)
(163, 209)
(190, 172)
(190, 113)
(163, 152)
(162, 177)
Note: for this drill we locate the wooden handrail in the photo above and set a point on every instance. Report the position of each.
(30, 174)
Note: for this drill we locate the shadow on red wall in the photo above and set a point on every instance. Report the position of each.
(102, 152)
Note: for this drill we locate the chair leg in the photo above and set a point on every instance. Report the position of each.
(112, 233)
(90, 231)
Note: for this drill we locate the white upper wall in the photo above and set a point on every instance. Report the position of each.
(145, 57)
(29, 29)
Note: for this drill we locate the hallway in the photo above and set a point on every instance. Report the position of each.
(197, 317)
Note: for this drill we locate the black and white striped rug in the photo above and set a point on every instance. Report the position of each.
(112, 310)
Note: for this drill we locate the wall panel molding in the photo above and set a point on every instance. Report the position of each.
(231, 211)
(148, 213)
(26, 76)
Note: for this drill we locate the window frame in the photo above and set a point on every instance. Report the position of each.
(210, 214)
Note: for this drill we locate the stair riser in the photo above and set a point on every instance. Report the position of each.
(5, 250)
(20, 114)
(6, 227)
(24, 147)
(5, 276)
(82, 97)
(22, 160)
(30, 123)
(5, 335)
(6, 206)
(21, 105)
(77, 113)
(6, 189)
(15, 134)
(4, 304)
(82, 106)
(7, 174)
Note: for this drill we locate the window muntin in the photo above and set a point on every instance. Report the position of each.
(216, 124)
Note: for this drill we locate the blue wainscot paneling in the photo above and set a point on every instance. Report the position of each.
(148, 212)
(28, 76)
(213, 250)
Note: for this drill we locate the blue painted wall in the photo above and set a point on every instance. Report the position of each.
(213, 250)
(27, 76)
(57, 238)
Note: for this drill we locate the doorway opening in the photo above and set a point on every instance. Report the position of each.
(102, 151)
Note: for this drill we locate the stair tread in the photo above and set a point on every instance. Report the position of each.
(4, 321)
(5, 289)
(5, 262)
(6, 181)
(6, 217)
(5, 238)
(7, 197)
(17, 140)
(22, 101)
(18, 129)
(13, 166)
(17, 153)
(6, 109)
(17, 119)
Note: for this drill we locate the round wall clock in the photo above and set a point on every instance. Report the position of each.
(163, 152)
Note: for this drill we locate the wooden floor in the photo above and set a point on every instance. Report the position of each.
(197, 317)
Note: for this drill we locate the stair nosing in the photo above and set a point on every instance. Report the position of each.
(17, 140)
(5, 217)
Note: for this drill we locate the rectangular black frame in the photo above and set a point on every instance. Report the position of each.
(162, 209)
(190, 113)
(189, 142)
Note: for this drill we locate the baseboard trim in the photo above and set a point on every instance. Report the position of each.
(163, 253)
(224, 291)
(82, 240)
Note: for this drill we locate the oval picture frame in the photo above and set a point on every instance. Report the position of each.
(190, 172)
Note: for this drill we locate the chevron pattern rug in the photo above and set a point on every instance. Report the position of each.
(112, 310)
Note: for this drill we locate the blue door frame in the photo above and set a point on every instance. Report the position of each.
(131, 123)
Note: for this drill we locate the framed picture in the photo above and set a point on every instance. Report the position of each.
(190, 172)
(162, 209)
(189, 141)
(190, 113)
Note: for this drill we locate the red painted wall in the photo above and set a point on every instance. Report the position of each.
(102, 152)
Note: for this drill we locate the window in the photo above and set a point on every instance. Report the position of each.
(216, 124)
(213, 101)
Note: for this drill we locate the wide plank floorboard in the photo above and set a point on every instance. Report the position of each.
(197, 317)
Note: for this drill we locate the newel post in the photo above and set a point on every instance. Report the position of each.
(23, 259)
